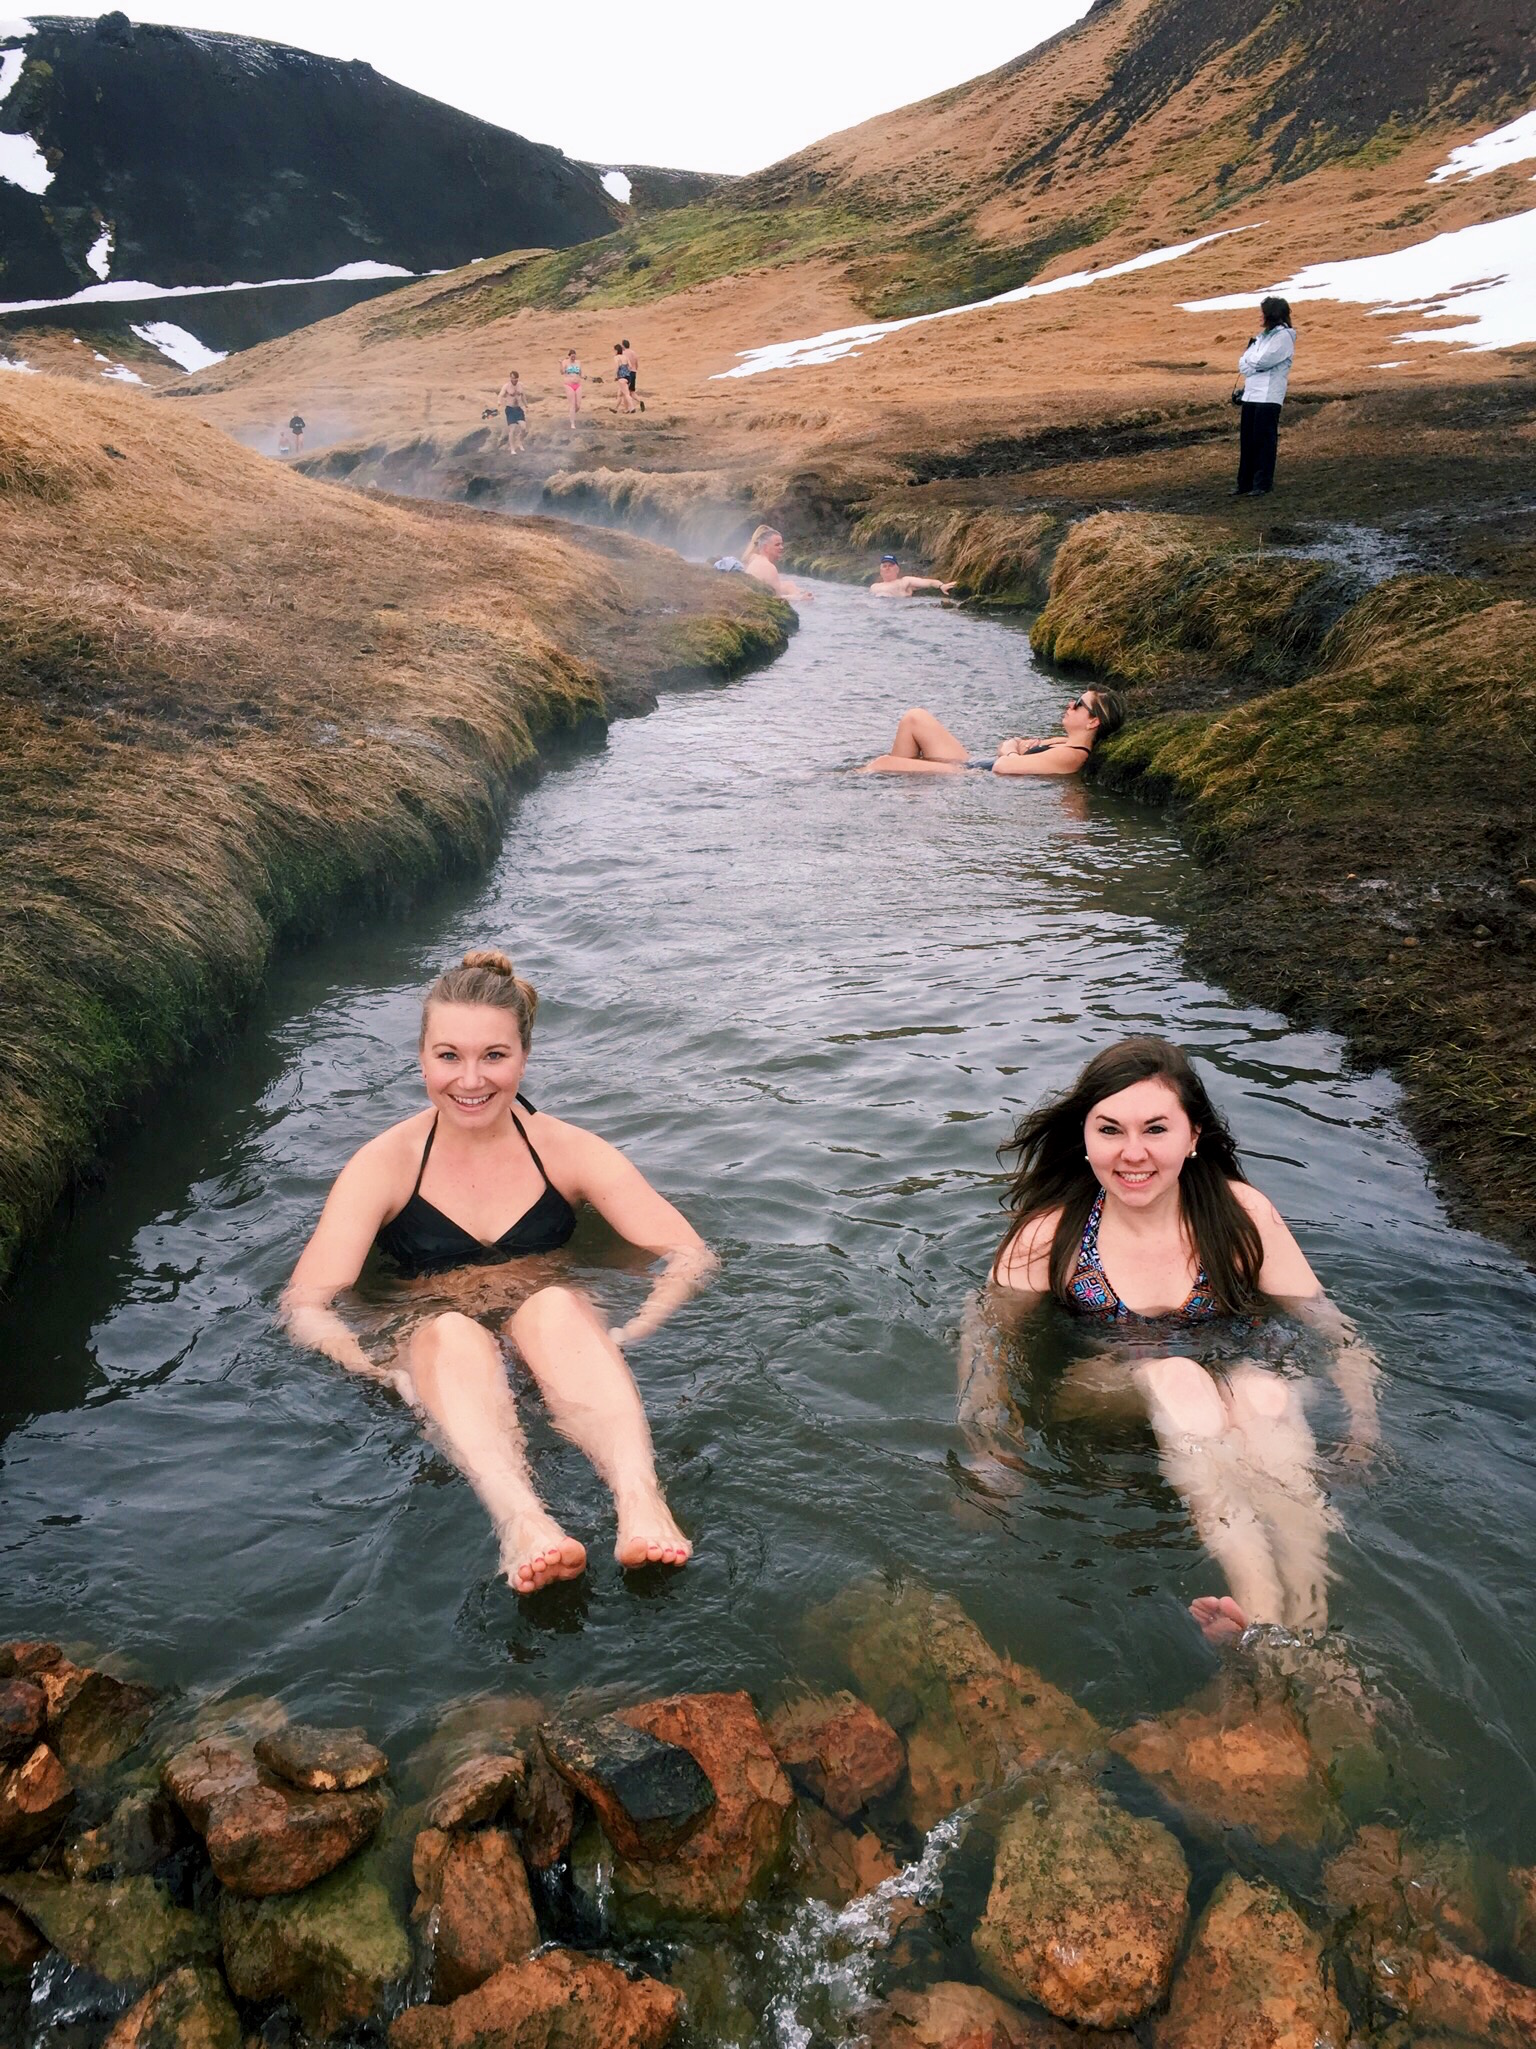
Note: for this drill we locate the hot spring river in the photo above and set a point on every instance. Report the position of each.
(810, 1006)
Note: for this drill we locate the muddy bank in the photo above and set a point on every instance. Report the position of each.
(934, 1849)
(234, 697)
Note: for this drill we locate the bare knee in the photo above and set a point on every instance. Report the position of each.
(441, 1337)
(548, 1312)
(1265, 1394)
(1183, 1396)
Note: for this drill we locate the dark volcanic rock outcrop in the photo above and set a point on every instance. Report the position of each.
(215, 157)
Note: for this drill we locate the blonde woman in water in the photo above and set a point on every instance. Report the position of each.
(479, 1187)
(765, 551)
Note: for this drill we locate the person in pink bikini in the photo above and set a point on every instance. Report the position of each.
(570, 377)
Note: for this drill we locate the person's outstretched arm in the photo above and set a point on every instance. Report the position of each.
(620, 1194)
(332, 1261)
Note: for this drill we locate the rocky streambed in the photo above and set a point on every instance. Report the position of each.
(947, 1852)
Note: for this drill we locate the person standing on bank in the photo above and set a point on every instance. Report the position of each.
(1265, 368)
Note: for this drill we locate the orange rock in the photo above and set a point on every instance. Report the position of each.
(745, 1835)
(473, 1906)
(838, 1864)
(1253, 1979)
(1233, 1766)
(1440, 1987)
(838, 1750)
(35, 1798)
(267, 1839)
(97, 1719)
(22, 1706)
(956, 2016)
(1401, 1888)
(20, 1943)
(475, 1791)
(1523, 1882)
(558, 2000)
(188, 2010)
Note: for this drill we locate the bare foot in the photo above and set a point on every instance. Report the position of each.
(535, 1550)
(1218, 1618)
(648, 1535)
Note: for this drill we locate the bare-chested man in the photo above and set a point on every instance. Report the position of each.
(890, 583)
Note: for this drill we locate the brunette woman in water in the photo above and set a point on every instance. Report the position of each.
(1130, 1209)
(434, 1194)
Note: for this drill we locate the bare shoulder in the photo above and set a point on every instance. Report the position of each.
(1257, 1204)
(1025, 1266)
(562, 1143)
(395, 1151)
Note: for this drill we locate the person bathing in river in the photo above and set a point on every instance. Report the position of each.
(890, 583)
(1130, 1209)
(433, 1194)
(765, 551)
(922, 745)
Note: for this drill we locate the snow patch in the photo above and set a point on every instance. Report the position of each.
(851, 341)
(121, 374)
(15, 25)
(17, 363)
(99, 256)
(21, 161)
(1515, 143)
(182, 348)
(1481, 278)
(138, 288)
(617, 186)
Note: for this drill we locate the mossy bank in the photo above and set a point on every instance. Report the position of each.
(233, 695)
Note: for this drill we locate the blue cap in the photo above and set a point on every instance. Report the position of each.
(887, 558)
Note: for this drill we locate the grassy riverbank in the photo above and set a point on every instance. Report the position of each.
(232, 695)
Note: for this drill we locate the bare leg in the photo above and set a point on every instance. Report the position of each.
(458, 1378)
(1280, 1452)
(593, 1400)
(921, 743)
(1203, 1457)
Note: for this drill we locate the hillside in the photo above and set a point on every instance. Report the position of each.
(186, 158)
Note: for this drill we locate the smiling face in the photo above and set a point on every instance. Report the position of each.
(472, 1061)
(1137, 1142)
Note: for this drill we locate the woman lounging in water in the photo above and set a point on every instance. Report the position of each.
(434, 1194)
(765, 551)
(922, 745)
(1129, 1207)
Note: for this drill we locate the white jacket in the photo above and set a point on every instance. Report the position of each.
(1266, 366)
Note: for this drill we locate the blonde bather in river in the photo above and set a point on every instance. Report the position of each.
(467, 1200)
(1130, 1209)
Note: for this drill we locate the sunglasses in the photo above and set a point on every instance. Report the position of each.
(1082, 704)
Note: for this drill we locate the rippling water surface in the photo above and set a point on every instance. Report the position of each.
(810, 1006)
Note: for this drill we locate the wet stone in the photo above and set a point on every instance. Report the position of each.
(140, 1833)
(1229, 1766)
(476, 1791)
(1253, 1979)
(102, 1721)
(649, 1795)
(336, 1952)
(36, 1797)
(127, 1931)
(24, 1658)
(951, 2015)
(1443, 1991)
(1523, 1883)
(838, 1750)
(834, 1863)
(1087, 1908)
(22, 1706)
(188, 2010)
(473, 1912)
(204, 1773)
(21, 1944)
(321, 1760)
(558, 2000)
(265, 1839)
(1399, 1887)
(543, 1810)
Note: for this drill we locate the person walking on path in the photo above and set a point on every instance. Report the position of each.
(510, 399)
(570, 377)
(622, 402)
(630, 363)
(1265, 367)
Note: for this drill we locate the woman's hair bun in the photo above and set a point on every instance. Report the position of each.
(490, 957)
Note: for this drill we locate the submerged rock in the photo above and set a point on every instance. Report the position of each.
(650, 1796)
(838, 1750)
(558, 2000)
(1253, 1979)
(23, 1705)
(26, 1658)
(126, 1931)
(263, 1835)
(1443, 1991)
(1401, 1888)
(188, 2010)
(473, 1907)
(476, 1791)
(971, 1719)
(1523, 1883)
(956, 2016)
(102, 1721)
(1231, 1766)
(743, 1838)
(1087, 1908)
(139, 1834)
(837, 1864)
(35, 1800)
(21, 1944)
(321, 1760)
(543, 1809)
(336, 1952)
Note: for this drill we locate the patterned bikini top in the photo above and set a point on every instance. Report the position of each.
(1093, 1296)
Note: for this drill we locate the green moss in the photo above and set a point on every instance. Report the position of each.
(726, 647)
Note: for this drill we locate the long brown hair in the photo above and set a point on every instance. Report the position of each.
(1053, 1171)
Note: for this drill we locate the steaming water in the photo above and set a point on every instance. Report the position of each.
(809, 1005)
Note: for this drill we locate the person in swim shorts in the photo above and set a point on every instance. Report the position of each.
(890, 583)
(570, 377)
(631, 363)
(511, 399)
(432, 1195)
(1129, 1208)
(924, 746)
(623, 402)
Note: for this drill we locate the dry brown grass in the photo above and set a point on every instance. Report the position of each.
(1004, 556)
(230, 693)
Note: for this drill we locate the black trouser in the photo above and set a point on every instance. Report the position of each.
(1257, 436)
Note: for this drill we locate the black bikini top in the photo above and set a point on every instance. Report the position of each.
(421, 1240)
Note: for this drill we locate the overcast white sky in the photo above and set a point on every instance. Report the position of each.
(710, 85)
